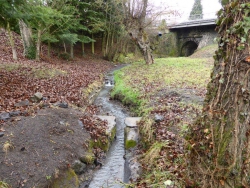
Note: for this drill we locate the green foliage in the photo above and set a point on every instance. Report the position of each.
(9, 12)
(31, 52)
(224, 2)
(69, 38)
(65, 56)
(196, 12)
(85, 39)
(165, 45)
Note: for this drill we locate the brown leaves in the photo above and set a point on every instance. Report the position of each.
(96, 127)
(247, 59)
(18, 85)
(56, 80)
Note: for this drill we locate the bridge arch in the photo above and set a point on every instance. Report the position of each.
(188, 48)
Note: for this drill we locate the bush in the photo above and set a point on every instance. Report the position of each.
(65, 56)
(31, 52)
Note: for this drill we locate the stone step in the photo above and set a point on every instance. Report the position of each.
(132, 121)
(131, 132)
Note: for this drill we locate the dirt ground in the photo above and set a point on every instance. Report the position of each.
(41, 146)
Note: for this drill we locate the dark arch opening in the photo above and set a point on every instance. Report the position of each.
(188, 48)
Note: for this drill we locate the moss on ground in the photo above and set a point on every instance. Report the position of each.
(68, 179)
(88, 158)
(130, 144)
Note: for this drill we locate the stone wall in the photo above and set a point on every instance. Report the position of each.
(200, 35)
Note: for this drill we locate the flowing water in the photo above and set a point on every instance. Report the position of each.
(114, 169)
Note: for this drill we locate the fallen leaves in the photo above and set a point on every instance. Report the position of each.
(56, 80)
(96, 127)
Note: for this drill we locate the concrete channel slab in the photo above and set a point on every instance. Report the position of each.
(131, 132)
(111, 122)
(132, 121)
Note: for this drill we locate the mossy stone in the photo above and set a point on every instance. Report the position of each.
(130, 144)
(68, 179)
(87, 158)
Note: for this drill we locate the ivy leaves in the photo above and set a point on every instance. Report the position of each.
(234, 30)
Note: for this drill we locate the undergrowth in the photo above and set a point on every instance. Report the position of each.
(157, 89)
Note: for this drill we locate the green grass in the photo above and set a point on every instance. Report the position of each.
(146, 87)
(10, 67)
(4, 185)
(137, 82)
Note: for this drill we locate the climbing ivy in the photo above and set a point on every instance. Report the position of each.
(219, 140)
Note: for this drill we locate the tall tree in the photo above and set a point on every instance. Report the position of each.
(220, 138)
(51, 19)
(135, 12)
(8, 19)
(196, 12)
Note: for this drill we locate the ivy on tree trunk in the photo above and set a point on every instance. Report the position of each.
(220, 139)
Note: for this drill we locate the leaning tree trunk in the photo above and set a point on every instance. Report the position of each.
(135, 23)
(220, 139)
(144, 45)
(12, 42)
(26, 36)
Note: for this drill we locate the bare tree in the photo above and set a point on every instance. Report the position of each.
(135, 12)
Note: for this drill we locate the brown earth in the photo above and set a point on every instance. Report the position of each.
(37, 148)
(41, 146)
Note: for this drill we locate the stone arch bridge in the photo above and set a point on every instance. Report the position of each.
(193, 35)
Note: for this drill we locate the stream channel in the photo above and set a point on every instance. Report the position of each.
(114, 170)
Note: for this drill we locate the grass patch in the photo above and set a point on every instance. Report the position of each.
(137, 83)
(37, 72)
(128, 95)
(173, 88)
(10, 67)
(4, 184)
(47, 73)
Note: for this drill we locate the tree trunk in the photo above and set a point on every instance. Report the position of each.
(49, 47)
(104, 44)
(38, 44)
(220, 138)
(107, 43)
(83, 49)
(135, 23)
(64, 46)
(12, 43)
(144, 45)
(72, 51)
(93, 45)
(26, 36)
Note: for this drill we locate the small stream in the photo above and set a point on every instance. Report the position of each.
(114, 169)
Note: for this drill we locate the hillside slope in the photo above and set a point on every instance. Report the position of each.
(206, 52)
(40, 139)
